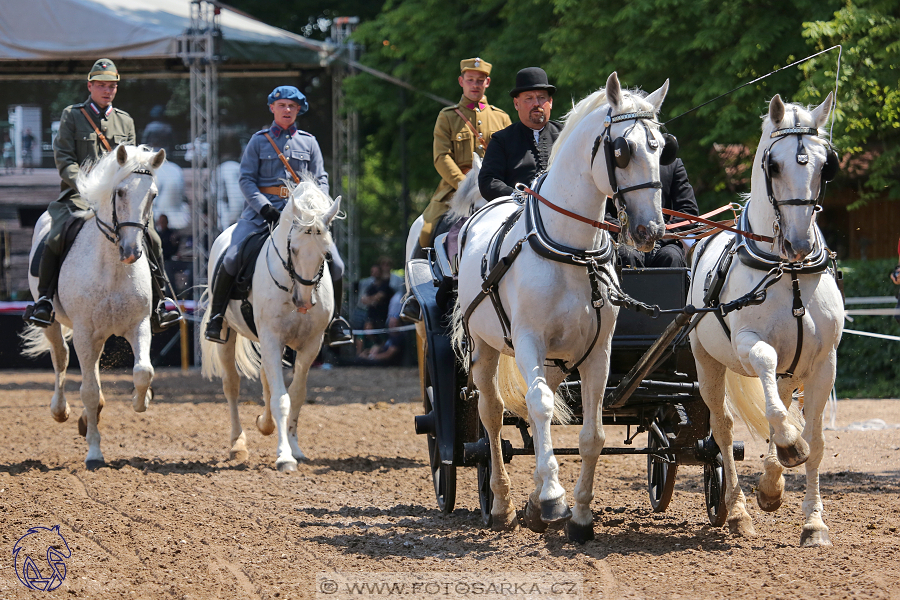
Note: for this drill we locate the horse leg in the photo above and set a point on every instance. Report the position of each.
(297, 392)
(817, 387)
(264, 422)
(771, 483)
(532, 513)
(791, 449)
(59, 354)
(539, 399)
(88, 349)
(490, 408)
(139, 338)
(279, 401)
(591, 439)
(711, 377)
(231, 386)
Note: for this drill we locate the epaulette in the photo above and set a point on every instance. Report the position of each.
(497, 108)
(120, 111)
(262, 131)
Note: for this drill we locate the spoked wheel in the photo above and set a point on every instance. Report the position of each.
(661, 467)
(485, 495)
(714, 490)
(443, 476)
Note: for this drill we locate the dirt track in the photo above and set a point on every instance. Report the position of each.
(171, 518)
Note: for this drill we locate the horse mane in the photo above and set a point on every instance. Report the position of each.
(96, 181)
(588, 105)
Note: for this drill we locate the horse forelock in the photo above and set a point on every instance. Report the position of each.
(587, 106)
(803, 112)
(97, 181)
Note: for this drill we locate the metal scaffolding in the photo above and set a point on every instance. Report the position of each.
(345, 139)
(199, 49)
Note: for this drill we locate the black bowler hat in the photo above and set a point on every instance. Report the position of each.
(531, 78)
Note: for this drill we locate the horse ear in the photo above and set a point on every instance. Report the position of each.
(776, 111)
(328, 217)
(657, 97)
(158, 159)
(821, 112)
(613, 90)
(121, 155)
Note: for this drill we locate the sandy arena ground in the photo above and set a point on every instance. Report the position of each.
(170, 517)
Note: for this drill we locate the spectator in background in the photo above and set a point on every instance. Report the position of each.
(27, 152)
(391, 351)
(9, 158)
(396, 282)
(158, 133)
(168, 237)
(377, 297)
(895, 279)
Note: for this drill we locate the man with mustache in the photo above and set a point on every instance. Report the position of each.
(522, 150)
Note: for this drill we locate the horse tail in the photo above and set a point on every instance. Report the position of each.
(747, 401)
(246, 354)
(467, 197)
(513, 390)
(458, 335)
(35, 343)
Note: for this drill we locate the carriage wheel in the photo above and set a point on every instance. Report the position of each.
(661, 468)
(485, 495)
(714, 490)
(443, 476)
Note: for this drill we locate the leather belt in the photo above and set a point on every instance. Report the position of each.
(276, 190)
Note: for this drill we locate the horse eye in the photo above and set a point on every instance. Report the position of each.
(120, 193)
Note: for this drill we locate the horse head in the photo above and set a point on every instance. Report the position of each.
(795, 160)
(304, 227)
(132, 199)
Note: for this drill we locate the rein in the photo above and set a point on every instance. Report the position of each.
(111, 232)
(598, 224)
(289, 265)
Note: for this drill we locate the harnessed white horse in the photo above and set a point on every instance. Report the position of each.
(292, 305)
(104, 285)
(792, 336)
(556, 291)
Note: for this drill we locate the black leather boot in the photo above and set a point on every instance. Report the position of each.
(160, 317)
(41, 312)
(221, 290)
(338, 332)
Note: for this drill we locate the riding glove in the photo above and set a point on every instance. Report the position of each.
(270, 214)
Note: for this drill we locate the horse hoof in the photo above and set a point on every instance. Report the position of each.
(238, 455)
(532, 518)
(793, 456)
(579, 534)
(265, 428)
(300, 457)
(286, 467)
(555, 511)
(768, 503)
(82, 425)
(61, 417)
(506, 522)
(93, 465)
(741, 527)
(813, 538)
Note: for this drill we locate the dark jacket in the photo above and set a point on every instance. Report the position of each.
(677, 194)
(512, 157)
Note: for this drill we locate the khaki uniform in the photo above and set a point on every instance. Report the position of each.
(454, 144)
(76, 143)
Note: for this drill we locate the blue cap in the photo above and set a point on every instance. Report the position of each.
(289, 92)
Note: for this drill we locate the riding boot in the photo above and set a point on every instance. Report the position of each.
(338, 332)
(41, 312)
(160, 317)
(221, 290)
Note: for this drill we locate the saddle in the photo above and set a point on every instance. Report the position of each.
(243, 281)
(70, 231)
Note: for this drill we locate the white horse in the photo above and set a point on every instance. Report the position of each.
(550, 306)
(104, 285)
(292, 305)
(792, 162)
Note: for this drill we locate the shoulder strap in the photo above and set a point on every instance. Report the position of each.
(102, 137)
(472, 127)
(283, 159)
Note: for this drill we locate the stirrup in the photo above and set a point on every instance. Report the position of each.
(213, 331)
(161, 319)
(339, 333)
(40, 320)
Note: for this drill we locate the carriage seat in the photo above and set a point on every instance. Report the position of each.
(442, 257)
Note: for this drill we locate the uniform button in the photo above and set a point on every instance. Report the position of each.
(479, 122)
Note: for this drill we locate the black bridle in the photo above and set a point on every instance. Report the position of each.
(289, 263)
(111, 232)
(802, 159)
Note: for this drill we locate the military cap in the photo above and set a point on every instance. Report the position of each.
(289, 92)
(104, 70)
(475, 64)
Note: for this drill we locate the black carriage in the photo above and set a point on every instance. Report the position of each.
(652, 388)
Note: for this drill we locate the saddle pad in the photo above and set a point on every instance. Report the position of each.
(70, 232)
(247, 265)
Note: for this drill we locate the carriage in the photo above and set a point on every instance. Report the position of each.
(652, 388)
